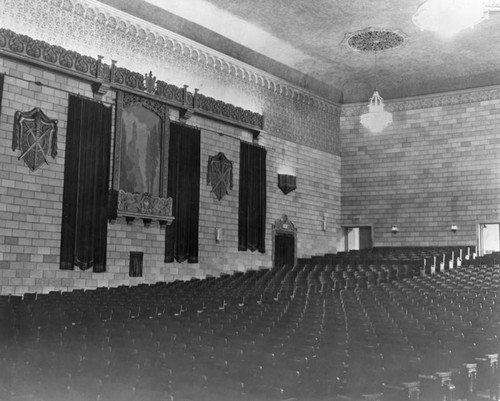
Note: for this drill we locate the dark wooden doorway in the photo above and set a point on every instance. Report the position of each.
(284, 242)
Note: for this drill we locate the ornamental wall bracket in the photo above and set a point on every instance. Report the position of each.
(104, 74)
(35, 135)
(189, 105)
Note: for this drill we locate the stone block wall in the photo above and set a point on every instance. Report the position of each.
(31, 202)
(438, 164)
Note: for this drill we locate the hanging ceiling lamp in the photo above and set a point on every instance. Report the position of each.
(374, 40)
(377, 119)
(447, 17)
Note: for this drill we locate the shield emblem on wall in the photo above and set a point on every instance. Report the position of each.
(220, 174)
(36, 136)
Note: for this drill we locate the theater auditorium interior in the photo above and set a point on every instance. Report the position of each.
(266, 200)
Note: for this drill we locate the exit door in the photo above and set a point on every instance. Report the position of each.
(489, 238)
(357, 238)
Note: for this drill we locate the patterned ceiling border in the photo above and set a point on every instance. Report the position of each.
(148, 35)
(108, 76)
(425, 102)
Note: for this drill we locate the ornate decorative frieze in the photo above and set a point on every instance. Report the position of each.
(425, 102)
(116, 76)
(105, 30)
(212, 105)
(44, 52)
(144, 206)
(91, 27)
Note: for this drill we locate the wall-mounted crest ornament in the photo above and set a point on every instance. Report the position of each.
(36, 136)
(220, 174)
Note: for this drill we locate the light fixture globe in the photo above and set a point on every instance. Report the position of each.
(377, 119)
(448, 17)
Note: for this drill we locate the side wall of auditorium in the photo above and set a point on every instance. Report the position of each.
(31, 201)
(438, 164)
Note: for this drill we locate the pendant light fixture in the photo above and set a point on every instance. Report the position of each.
(374, 40)
(377, 119)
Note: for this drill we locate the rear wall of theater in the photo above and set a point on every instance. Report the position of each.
(438, 164)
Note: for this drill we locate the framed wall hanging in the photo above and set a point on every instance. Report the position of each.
(141, 159)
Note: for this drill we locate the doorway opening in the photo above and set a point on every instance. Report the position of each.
(358, 238)
(284, 242)
(489, 238)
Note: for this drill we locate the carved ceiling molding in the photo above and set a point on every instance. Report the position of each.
(123, 29)
(426, 102)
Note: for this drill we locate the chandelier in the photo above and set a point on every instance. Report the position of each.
(372, 41)
(377, 119)
(448, 17)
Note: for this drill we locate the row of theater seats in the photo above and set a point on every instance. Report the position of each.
(389, 263)
(287, 333)
(386, 254)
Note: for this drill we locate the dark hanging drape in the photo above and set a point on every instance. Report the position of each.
(252, 209)
(181, 239)
(86, 178)
(2, 76)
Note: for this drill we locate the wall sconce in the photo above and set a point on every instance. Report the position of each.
(287, 179)
(218, 234)
(287, 183)
(454, 228)
(394, 229)
(324, 224)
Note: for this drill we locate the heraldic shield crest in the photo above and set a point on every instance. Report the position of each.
(36, 136)
(220, 174)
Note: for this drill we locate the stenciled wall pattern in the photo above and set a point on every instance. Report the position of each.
(92, 28)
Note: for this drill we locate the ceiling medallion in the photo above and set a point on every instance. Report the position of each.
(374, 39)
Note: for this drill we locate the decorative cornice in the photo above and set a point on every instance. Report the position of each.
(425, 102)
(160, 40)
(105, 76)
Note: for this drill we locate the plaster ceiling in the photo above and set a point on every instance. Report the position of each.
(301, 41)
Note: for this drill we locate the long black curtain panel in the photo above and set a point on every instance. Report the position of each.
(85, 193)
(252, 198)
(181, 238)
(2, 76)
